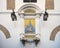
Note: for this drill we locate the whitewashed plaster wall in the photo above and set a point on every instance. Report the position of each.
(19, 3)
(15, 28)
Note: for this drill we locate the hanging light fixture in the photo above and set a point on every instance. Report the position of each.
(13, 16)
(45, 16)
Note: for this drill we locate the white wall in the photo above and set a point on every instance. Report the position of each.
(19, 3)
(43, 27)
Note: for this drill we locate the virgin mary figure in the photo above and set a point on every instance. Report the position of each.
(29, 28)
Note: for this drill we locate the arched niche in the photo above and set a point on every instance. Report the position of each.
(5, 31)
(54, 33)
(29, 12)
(29, 8)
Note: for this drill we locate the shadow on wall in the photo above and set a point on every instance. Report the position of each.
(54, 32)
(5, 31)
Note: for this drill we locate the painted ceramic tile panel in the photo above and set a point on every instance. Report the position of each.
(29, 25)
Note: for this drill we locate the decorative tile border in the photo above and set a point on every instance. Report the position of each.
(5, 31)
(54, 32)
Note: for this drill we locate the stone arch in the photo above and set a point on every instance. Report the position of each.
(54, 32)
(5, 31)
(29, 6)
